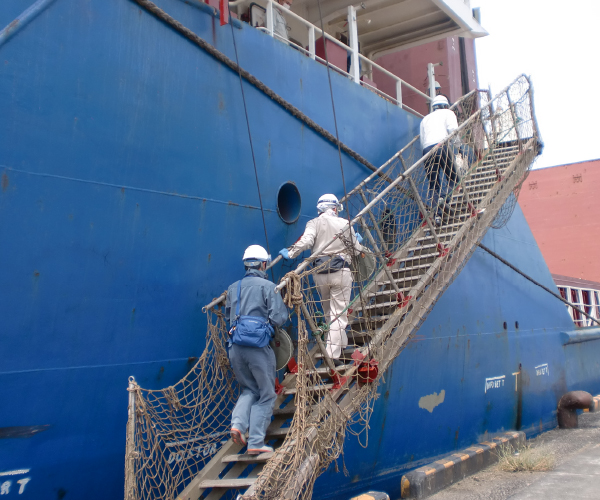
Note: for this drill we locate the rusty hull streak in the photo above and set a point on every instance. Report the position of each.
(25, 431)
(12, 27)
(5, 181)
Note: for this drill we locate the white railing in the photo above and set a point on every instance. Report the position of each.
(586, 299)
(355, 56)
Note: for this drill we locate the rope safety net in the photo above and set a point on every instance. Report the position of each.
(421, 218)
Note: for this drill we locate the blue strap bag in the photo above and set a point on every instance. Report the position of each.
(249, 331)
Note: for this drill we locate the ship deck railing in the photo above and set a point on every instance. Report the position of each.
(352, 49)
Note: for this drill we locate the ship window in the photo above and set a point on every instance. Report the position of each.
(577, 316)
(587, 301)
(289, 203)
(597, 305)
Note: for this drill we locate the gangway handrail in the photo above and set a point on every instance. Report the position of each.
(399, 179)
(413, 268)
(380, 169)
(392, 185)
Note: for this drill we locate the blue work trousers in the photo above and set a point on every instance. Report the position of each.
(467, 153)
(442, 161)
(254, 369)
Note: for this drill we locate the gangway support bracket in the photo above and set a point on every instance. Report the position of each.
(403, 300)
(292, 366)
(442, 250)
(338, 381)
(278, 387)
(367, 372)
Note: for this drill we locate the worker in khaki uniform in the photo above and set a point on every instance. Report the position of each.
(333, 276)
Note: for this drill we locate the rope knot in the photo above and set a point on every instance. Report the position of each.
(293, 297)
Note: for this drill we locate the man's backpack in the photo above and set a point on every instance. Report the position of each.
(249, 331)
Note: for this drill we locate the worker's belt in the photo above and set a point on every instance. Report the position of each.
(330, 264)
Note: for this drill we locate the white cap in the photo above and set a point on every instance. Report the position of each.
(329, 201)
(439, 100)
(255, 254)
(437, 85)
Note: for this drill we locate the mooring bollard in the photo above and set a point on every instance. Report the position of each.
(571, 401)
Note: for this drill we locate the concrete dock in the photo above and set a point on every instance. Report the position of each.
(576, 474)
(578, 477)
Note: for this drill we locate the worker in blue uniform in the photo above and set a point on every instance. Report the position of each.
(253, 309)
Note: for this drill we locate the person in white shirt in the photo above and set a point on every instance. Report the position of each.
(280, 26)
(333, 276)
(435, 128)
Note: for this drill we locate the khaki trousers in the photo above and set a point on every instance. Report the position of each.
(335, 289)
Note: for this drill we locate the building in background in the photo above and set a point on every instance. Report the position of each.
(561, 205)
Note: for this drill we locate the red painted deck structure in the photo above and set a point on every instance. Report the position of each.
(457, 75)
(562, 206)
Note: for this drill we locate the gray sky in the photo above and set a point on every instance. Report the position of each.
(557, 43)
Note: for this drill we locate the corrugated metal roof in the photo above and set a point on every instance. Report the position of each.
(575, 282)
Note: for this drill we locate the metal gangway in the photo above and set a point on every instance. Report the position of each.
(419, 236)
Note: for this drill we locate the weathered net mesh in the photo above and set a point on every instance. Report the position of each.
(420, 225)
(174, 432)
(511, 114)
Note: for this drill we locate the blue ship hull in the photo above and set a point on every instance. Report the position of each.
(127, 196)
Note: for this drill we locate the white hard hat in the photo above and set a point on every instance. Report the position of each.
(437, 85)
(439, 100)
(255, 254)
(329, 201)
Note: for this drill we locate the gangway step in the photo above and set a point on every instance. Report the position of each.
(408, 272)
(475, 192)
(288, 410)
(277, 433)
(426, 257)
(483, 171)
(358, 338)
(380, 305)
(324, 371)
(263, 457)
(459, 203)
(391, 292)
(314, 388)
(442, 236)
(371, 319)
(400, 282)
(234, 484)
(346, 353)
(490, 166)
(487, 180)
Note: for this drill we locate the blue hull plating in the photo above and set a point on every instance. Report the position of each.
(127, 196)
